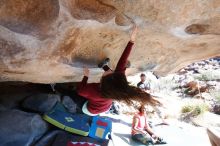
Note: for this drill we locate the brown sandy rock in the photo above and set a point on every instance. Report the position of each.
(48, 41)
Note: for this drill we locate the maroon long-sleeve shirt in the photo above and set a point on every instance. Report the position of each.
(91, 91)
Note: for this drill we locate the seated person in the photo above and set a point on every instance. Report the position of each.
(141, 131)
(143, 85)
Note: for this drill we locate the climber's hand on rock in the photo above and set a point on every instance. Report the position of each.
(134, 33)
(86, 71)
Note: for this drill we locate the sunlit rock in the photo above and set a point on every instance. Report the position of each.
(49, 41)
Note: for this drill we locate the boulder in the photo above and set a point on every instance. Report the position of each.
(206, 120)
(205, 96)
(20, 128)
(49, 41)
(2, 108)
(214, 135)
(12, 94)
(41, 102)
(70, 105)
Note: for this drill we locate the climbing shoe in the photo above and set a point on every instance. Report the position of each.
(104, 62)
(160, 141)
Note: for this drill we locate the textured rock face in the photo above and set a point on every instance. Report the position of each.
(49, 41)
(25, 128)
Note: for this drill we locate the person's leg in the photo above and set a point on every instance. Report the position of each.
(145, 139)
